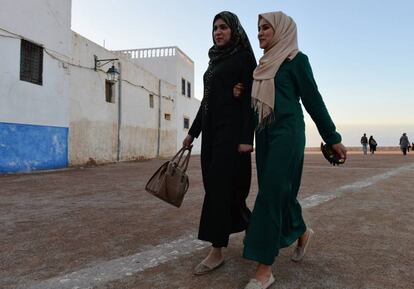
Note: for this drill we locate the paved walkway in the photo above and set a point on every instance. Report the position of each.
(98, 228)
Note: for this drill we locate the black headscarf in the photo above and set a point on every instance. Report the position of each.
(239, 40)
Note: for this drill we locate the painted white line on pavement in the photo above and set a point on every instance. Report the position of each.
(117, 269)
(320, 198)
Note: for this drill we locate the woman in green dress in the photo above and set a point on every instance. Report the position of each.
(282, 78)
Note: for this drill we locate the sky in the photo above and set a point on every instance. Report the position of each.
(361, 51)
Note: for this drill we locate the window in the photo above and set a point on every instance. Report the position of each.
(188, 89)
(182, 86)
(186, 123)
(31, 62)
(109, 91)
(151, 101)
(167, 116)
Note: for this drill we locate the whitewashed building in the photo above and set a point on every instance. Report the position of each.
(57, 110)
(34, 86)
(173, 65)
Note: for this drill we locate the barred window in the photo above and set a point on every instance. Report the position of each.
(31, 62)
(188, 89)
(151, 101)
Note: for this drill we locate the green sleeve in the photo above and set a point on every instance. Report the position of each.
(312, 100)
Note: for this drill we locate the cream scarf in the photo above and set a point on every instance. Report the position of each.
(283, 45)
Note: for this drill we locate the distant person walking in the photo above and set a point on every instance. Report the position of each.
(372, 145)
(404, 143)
(364, 142)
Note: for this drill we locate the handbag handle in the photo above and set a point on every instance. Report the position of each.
(187, 159)
(179, 155)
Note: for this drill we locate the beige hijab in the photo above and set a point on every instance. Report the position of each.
(283, 45)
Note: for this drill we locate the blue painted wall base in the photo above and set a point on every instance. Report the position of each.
(25, 148)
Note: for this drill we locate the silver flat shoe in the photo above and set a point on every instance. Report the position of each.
(256, 284)
(202, 268)
(300, 251)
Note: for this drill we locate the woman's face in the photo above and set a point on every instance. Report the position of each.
(266, 33)
(221, 33)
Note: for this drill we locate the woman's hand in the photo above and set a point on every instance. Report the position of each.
(340, 149)
(245, 148)
(188, 141)
(238, 90)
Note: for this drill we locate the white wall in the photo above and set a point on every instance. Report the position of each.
(139, 121)
(25, 102)
(186, 106)
(163, 67)
(173, 68)
(44, 21)
(94, 122)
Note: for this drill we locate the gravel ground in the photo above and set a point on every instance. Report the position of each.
(91, 220)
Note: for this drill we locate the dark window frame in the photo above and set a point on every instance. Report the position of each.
(189, 89)
(31, 62)
(109, 91)
(186, 122)
(183, 86)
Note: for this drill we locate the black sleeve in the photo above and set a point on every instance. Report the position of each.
(247, 126)
(195, 129)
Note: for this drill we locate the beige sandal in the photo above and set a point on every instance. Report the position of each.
(256, 284)
(300, 251)
(202, 268)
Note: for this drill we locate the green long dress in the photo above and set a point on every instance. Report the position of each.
(277, 219)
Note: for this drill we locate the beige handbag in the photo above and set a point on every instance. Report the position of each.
(170, 181)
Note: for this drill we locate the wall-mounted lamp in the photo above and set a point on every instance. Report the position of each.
(113, 73)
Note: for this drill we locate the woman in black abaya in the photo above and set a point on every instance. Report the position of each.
(225, 121)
